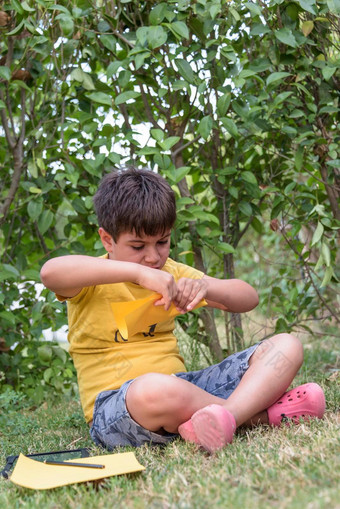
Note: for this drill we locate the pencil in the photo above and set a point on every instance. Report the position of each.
(72, 464)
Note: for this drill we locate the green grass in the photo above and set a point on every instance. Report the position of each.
(290, 467)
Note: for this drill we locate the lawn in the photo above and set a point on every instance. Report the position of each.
(289, 467)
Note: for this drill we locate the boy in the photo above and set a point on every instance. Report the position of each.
(135, 389)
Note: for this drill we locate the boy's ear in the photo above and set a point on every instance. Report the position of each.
(106, 239)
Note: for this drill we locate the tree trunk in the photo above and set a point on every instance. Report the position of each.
(207, 314)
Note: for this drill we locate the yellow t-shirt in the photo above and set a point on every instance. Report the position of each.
(103, 358)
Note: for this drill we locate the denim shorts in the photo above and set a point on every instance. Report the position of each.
(113, 426)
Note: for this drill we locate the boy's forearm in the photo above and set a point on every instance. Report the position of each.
(232, 295)
(67, 275)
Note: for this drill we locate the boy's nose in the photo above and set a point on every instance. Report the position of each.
(151, 256)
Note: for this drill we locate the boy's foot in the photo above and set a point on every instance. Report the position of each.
(212, 427)
(303, 402)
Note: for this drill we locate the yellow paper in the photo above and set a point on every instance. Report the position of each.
(39, 476)
(137, 315)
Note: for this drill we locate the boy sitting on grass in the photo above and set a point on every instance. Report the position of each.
(136, 389)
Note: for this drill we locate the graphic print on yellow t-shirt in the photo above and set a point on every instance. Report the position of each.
(104, 357)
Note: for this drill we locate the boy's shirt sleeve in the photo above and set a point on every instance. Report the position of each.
(74, 299)
(179, 270)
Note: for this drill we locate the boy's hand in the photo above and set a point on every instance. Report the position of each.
(160, 282)
(189, 293)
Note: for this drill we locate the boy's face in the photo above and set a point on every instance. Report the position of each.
(151, 251)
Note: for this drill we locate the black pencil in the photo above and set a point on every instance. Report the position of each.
(72, 464)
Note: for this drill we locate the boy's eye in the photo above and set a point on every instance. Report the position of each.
(162, 242)
(137, 248)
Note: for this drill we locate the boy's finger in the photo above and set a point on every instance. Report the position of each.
(195, 301)
(163, 302)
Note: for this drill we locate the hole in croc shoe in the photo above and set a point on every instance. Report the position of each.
(298, 397)
(290, 399)
(279, 402)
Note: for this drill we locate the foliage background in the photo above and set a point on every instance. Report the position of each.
(236, 103)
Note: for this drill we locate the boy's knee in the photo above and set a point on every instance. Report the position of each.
(149, 391)
(283, 346)
(290, 346)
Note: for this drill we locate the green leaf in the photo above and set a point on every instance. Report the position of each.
(179, 29)
(45, 353)
(157, 14)
(168, 143)
(157, 134)
(205, 127)
(2, 105)
(248, 176)
(26, 7)
(31, 275)
(260, 29)
(245, 208)
(148, 151)
(34, 209)
(100, 98)
(254, 9)
(48, 373)
(109, 42)
(5, 72)
(201, 214)
(35, 190)
(66, 24)
(317, 234)
(335, 163)
(329, 273)
(275, 76)
(328, 71)
(154, 36)
(17, 28)
(45, 220)
(334, 6)
(286, 36)
(177, 174)
(299, 157)
(225, 247)
(223, 104)
(10, 269)
(61, 8)
(79, 205)
(126, 96)
(16, 6)
(60, 353)
(8, 316)
(230, 126)
(326, 254)
(83, 77)
(185, 70)
(307, 27)
(308, 5)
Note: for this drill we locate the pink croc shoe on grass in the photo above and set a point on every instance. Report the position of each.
(212, 427)
(303, 402)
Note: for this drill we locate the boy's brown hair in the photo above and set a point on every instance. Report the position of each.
(135, 200)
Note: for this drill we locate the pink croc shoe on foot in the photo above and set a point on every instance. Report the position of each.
(305, 401)
(187, 432)
(212, 427)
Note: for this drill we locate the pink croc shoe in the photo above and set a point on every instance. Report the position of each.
(212, 427)
(305, 401)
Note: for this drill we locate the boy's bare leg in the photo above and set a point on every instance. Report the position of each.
(159, 401)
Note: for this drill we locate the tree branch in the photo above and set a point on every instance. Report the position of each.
(9, 137)
(148, 109)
